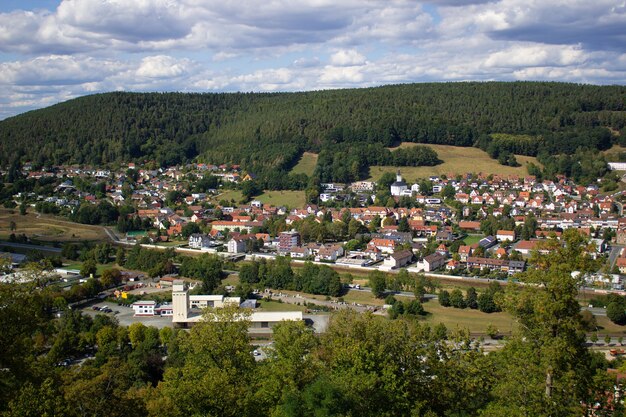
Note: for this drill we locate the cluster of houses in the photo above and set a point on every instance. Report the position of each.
(556, 206)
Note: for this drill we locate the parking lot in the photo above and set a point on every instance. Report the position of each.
(125, 315)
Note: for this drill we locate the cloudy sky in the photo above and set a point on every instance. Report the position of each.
(54, 50)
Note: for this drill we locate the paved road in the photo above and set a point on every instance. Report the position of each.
(31, 247)
(615, 251)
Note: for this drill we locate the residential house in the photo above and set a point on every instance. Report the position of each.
(398, 259)
(433, 262)
(504, 235)
(236, 245)
(465, 251)
(199, 241)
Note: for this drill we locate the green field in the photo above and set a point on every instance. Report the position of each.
(456, 160)
(99, 267)
(475, 321)
(47, 228)
(306, 165)
(230, 195)
(291, 199)
(471, 239)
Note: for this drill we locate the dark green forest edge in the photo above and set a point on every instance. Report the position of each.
(266, 133)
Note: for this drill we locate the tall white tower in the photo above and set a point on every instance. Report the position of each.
(180, 301)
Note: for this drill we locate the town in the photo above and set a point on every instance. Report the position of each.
(458, 225)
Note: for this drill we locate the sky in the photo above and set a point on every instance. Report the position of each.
(55, 50)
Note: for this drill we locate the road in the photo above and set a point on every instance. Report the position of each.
(31, 247)
(615, 251)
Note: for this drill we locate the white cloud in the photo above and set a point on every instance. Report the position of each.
(86, 46)
(344, 58)
(162, 66)
(533, 55)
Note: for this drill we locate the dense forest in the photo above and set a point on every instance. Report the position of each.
(267, 132)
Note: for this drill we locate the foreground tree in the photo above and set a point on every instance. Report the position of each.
(217, 370)
(545, 369)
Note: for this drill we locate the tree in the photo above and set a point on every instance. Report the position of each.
(471, 298)
(189, 229)
(120, 256)
(249, 272)
(615, 312)
(378, 283)
(217, 369)
(250, 189)
(547, 350)
(607, 340)
(415, 308)
(403, 225)
(444, 298)
(492, 331)
(88, 268)
(69, 251)
(456, 299)
(111, 277)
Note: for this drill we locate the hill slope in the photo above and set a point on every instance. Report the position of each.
(267, 133)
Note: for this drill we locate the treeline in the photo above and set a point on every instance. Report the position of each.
(272, 130)
(278, 274)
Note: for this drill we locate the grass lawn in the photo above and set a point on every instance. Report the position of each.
(291, 199)
(306, 165)
(474, 320)
(276, 306)
(47, 228)
(456, 160)
(362, 297)
(232, 279)
(230, 195)
(99, 267)
(471, 239)
(607, 326)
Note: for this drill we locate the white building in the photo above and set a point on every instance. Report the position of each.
(399, 186)
(236, 245)
(144, 308)
(184, 315)
(200, 241)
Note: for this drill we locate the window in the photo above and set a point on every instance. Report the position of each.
(265, 325)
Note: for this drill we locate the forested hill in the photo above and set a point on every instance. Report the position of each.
(267, 132)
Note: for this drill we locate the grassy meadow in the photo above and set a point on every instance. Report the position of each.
(306, 165)
(46, 228)
(456, 160)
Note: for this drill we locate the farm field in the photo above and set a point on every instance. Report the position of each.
(291, 199)
(456, 160)
(306, 165)
(45, 228)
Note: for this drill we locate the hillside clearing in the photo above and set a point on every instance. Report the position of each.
(46, 228)
(306, 165)
(456, 160)
(291, 199)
